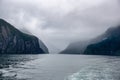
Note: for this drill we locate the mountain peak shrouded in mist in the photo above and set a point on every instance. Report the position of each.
(13, 41)
(109, 46)
(60, 22)
(105, 44)
(75, 47)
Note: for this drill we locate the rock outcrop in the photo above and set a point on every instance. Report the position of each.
(13, 41)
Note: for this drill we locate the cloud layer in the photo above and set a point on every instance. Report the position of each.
(60, 22)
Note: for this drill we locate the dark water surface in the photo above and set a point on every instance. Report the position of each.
(59, 67)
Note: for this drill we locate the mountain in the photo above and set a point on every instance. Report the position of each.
(44, 48)
(80, 46)
(108, 46)
(75, 47)
(13, 41)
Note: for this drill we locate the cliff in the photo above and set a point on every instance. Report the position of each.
(13, 41)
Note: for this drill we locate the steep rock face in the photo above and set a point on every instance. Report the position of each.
(43, 47)
(13, 41)
(108, 46)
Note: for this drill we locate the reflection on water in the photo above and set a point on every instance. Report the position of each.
(59, 67)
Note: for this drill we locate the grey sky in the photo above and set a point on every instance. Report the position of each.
(59, 22)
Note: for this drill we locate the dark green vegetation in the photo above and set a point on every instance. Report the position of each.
(13, 41)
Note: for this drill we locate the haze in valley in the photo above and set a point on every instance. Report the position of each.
(59, 22)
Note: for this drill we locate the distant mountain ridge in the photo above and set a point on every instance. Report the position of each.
(13, 41)
(105, 44)
(75, 47)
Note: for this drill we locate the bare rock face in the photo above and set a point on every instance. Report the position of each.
(13, 41)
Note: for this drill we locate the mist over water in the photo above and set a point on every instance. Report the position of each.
(59, 22)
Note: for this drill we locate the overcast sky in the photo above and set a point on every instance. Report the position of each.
(60, 22)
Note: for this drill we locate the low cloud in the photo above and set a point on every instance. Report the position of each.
(60, 22)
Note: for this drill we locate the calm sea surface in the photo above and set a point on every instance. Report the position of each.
(59, 67)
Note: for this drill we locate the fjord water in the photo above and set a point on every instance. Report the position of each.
(59, 67)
